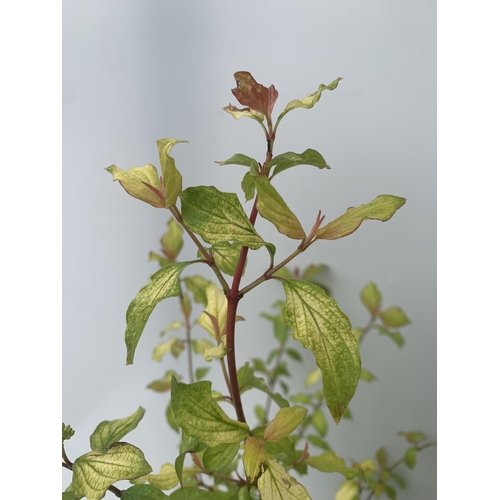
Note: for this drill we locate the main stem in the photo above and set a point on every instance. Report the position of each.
(233, 297)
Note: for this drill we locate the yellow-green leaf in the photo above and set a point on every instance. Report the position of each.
(215, 352)
(220, 456)
(330, 462)
(319, 422)
(163, 348)
(95, 471)
(313, 377)
(371, 297)
(172, 179)
(142, 183)
(164, 284)
(382, 208)
(239, 113)
(285, 422)
(198, 285)
(166, 479)
(394, 317)
(348, 491)
(201, 417)
(254, 458)
(319, 324)
(218, 216)
(111, 431)
(272, 207)
(276, 484)
(171, 241)
(309, 101)
(248, 186)
(216, 309)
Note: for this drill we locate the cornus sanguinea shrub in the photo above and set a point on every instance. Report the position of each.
(220, 456)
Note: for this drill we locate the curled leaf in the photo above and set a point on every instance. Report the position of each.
(382, 208)
(253, 94)
(142, 183)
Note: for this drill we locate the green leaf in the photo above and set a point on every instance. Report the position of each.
(410, 457)
(248, 186)
(164, 284)
(166, 479)
(188, 445)
(382, 208)
(198, 285)
(172, 241)
(174, 325)
(319, 422)
(218, 457)
(390, 492)
(67, 432)
(111, 431)
(162, 260)
(143, 492)
(280, 328)
(312, 271)
(142, 183)
(282, 447)
(254, 458)
(163, 384)
(260, 413)
(69, 494)
(394, 317)
(226, 256)
(200, 373)
(272, 207)
(201, 417)
(285, 422)
(292, 353)
(318, 323)
(172, 179)
(95, 471)
(218, 216)
(317, 441)
(371, 297)
(191, 494)
(309, 101)
(367, 375)
(169, 415)
(348, 491)
(201, 345)
(163, 348)
(288, 160)
(396, 337)
(381, 456)
(247, 380)
(398, 480)
(413, 437)
(276, 484)
(330, 462)
(239, 159)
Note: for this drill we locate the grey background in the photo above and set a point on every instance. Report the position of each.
(137, 71)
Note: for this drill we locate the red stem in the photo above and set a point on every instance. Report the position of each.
(233, 297)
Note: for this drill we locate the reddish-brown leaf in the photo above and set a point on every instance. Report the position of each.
(253, 94)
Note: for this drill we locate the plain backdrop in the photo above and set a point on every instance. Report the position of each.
(136, 71)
